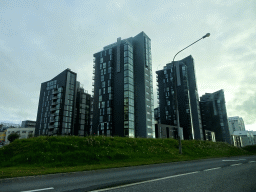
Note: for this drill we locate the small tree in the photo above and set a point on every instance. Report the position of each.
(13, 136)
(30, 135)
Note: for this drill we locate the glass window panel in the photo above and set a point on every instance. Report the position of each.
(125, 47)
(125, 53)
(126, 93)
(109, 89)
(125, 60)
(126, 101)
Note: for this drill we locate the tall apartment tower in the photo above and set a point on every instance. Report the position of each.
(63, 107)
(214, 115)
(188, 100)
(123, 89)
(235, 124)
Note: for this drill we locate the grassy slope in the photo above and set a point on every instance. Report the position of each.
(44, 155)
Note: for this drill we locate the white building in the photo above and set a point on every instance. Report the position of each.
(235, 124)
(243, 138)
(23, 132)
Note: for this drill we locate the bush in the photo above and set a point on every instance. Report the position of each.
(13, 136)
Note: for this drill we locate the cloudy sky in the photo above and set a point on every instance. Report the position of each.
(40, 39)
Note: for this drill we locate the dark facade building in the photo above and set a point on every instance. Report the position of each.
(28, 123)
(123, 89)
(63, 107)
(214, 115)
(188, 100)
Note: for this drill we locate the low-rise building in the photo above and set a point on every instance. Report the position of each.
(167, 131)
(28, 124)
(209, 136)
(23, 132)
(2, 136)
(243, 138)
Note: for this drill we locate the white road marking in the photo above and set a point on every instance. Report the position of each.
(39, 189)
(230, 160)
(241, 159)
(212, 169)
(252, 161)
(236, 164)
(127, 185)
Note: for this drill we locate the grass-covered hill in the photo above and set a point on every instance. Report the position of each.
(43, 155)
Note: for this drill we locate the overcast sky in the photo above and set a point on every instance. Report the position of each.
(40, 39)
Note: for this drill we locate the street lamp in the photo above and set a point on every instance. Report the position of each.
(176, 97)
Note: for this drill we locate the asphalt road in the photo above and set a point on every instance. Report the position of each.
(219, 174)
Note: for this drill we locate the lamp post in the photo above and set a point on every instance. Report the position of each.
(175, 85)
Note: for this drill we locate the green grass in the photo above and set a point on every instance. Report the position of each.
(45, 155)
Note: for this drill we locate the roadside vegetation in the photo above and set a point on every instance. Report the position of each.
(48, 155)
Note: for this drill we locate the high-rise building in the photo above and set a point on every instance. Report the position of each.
(235, 124)
(123, 89)
(63, 107)
(214, 115)
(188, 100)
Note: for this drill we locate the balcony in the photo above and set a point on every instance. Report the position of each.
(54, 103)
(54, 98)
(55, 92)
(53, 109)
(51, 127)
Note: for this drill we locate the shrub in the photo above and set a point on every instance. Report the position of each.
(13, 136)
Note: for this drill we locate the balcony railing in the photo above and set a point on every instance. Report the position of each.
(53, 109)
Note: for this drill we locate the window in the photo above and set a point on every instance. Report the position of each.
(109, 83)
(109, 111)
(99, 91)
(102, 78)
(103, 90)
(103, 84)
(110, 96)
(103, 104)
(100, 98)
(109, 89)
(104, 65)
(101, 60)
(105, 71)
